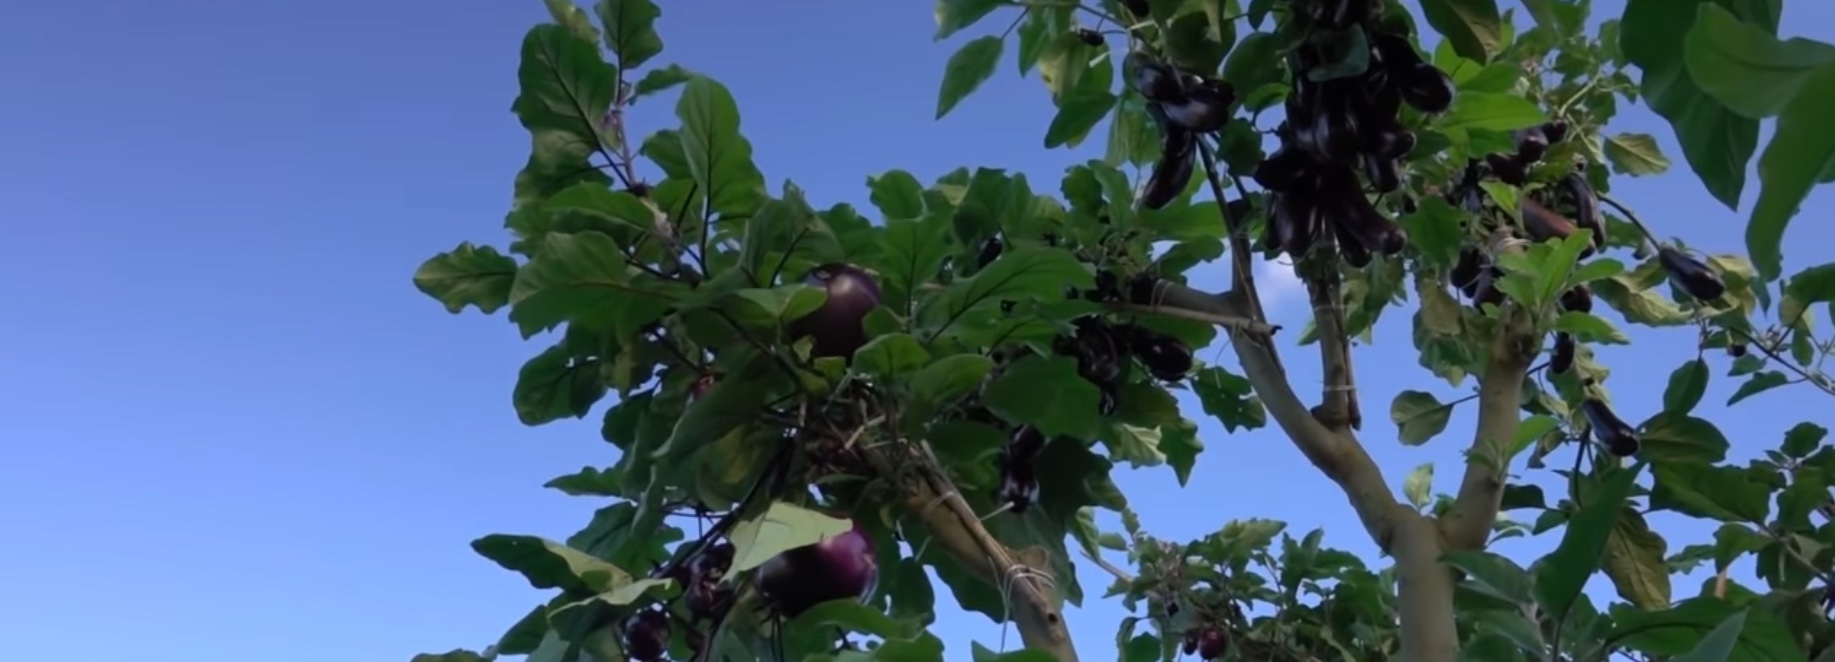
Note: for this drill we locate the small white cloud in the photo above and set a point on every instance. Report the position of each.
(1278, 283)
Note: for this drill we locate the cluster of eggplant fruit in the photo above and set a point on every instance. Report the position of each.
(646, 633)
(1208, 643)
(1102, 351)
(1185, 106)
(1338, 126)
(1544, 216)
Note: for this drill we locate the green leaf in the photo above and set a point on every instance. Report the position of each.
(659, 80)
(468, 275)
(769, 308)
(1419, 415)
(1673, 632)
(1801, 440)
(734, 401)
(1255, 62)
(954, 15)
(950, 378)
(1477, 111)
(781, 528)
(1045, 393)
(1809, 286)
(1717, 143)
(1419, 485)
(1686, 387)
(580, 277)
(1636, 154)
(548, 564)
(1180, 444)
(1493, 574)
(1589, 328)
(967, 69)
(1078, 114)
(719, 157)
(1635, 562)
(454, 655)
(897, 194)
(1759, 383)
(1473, 27)
(914, 250)
(630, 30)
(1744, 67)
(1020, 273)
(526, 635)
(576, 21)
(1723, 493)
(555, 385)
(1561, 574)
(1801, 149)
(1718, 645)
(1670, 437)
(1229, 398)
(1435, 229)
(565, 85)
(891, 356)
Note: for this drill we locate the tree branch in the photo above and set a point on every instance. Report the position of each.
(930, 496)
(1337, 454)
(1500, 392)
(1424, 591)
(1338, 408)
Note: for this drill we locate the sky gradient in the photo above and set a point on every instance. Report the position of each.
(235, 431)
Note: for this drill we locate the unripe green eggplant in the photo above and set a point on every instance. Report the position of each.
(1618, 436)
(1690, 275)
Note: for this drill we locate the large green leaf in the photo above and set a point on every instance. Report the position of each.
(1745, 67)
(1717, 142)
(630, 30)
(1473, 27)
(1419, 416)
(780, 528)
(1634, 561)
(1019, 274)
(566, 85)
(1801, 149)
(1728, 494)
(583, 278)
(468, 275)
(548, 564)
(556, 385)
(966, 70)
(719, 157)
(1562, 573)
(954, 15)
(1045, 393)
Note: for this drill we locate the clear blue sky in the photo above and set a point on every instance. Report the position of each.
(233, 430)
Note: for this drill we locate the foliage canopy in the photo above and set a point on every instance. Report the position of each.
(849, 402)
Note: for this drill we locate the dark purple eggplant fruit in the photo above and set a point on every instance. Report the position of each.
(646, 636)
(1099, 352)
(990, 250)
(1563, 360)
(1019, 486)
(1341, 14)
(1349, 249)
(1465, 272)
(1690, 275)
(1544, 224)
(1736, 348)
(1153, 79)
(1390, 142)
(1426, 88)
(1166, 358)
(1190, 645)
(1619, 437)
(1555, 131)
(1586, 207)
(840, 567)
(1139, 8)
(1578, 298)
(1507, 169)
(1295, 224)
(1025, 443)
(1531, 145)
(1485, 290)
(1213, 642)
(1281, 171)
(1089, 37)
(1205, 108)
(1385, 174)
(1396, 54)
(836, 328)
(1168, 180)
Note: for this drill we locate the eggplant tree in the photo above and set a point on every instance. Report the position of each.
(848, 403)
